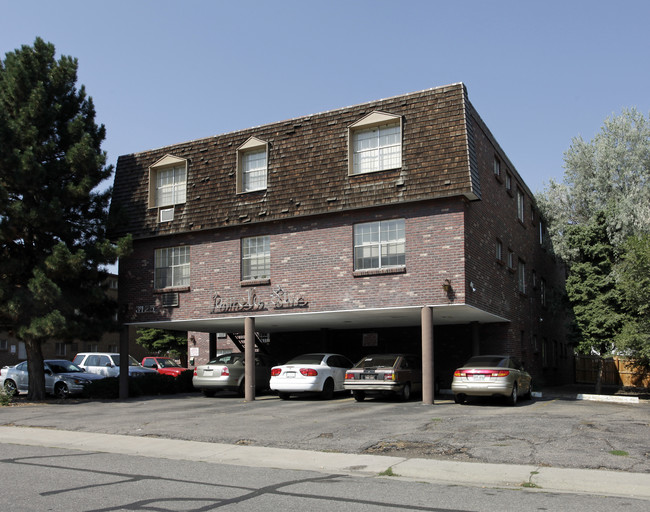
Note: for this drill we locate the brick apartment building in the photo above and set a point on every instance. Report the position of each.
(394, 225)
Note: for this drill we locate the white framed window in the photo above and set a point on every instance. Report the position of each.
(256, 258)
(379, 244)
(520, 205)
(498, 250)
(172, 267)
(252, 165)
(521, 272)
(168, 182)
(511, 259)
(508, 182)
(375, 143)
(496, 167)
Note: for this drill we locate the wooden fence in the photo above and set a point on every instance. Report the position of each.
(617, 371)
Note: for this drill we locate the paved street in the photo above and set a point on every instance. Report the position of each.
(70, 480)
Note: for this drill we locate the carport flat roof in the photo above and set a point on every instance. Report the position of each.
(342, 319)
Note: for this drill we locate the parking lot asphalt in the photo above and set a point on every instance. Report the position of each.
(553, 443)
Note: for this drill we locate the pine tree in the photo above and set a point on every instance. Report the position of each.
(164, 342)
(52, 216)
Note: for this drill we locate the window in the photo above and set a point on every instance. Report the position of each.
(4, 345)
(379, 244)
(167, 182)
(541, 232)
(60, 349)
(508, 182)
(172, 267)
(533, 276)
(375, 143)
(542, 292)
(497, 167)
(256, 258)
(521, 272)
(499, 250)
(252, 168)
(511, 259)
(520, 205)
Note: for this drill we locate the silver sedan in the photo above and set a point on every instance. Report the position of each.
(62, 378)
(226, 373)
(493, 375)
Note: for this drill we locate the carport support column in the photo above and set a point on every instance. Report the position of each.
(428, 387)
(123, 379)
(249, 359)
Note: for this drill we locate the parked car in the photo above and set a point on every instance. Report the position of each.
(396, 374)
(62, 378)
(164, 365)
(492, 376)
(310, 373)
(226, 372)
(108, 364)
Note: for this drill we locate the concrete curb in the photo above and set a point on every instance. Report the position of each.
(605, 483)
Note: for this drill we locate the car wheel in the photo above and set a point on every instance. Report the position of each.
(405, 394)
(328, 390)
(359, 395)
(10, 387)
(512, 399)
(61, 390)
(284, 396)
(208, 392)
(459, 398)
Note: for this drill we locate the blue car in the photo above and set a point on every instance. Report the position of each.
(62, 378)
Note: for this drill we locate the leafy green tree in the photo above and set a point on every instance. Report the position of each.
(161, 341)
(52, 216)
(610, 173)
(592, 290)
(633, 275)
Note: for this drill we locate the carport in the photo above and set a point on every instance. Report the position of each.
(424, 316)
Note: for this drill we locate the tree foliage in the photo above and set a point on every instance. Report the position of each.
(161, 341)
(598, 215)
(633, 278)
(52, 216)
(611, 173)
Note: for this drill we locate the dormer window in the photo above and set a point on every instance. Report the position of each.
(167, 182)
(375, 143)
(252, 167)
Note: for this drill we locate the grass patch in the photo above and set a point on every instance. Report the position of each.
(388, 472)
(620, 453)
(530, 484)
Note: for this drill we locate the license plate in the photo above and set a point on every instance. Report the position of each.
(373, 377)
(290, 375)
(207, 371)
(478, 377)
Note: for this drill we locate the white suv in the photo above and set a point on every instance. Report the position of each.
(108, 364)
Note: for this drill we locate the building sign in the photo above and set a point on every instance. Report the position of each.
(280, 299)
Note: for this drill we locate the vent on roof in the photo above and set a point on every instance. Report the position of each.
(166, 214)
(169, 300)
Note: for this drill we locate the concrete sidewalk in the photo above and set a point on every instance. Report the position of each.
(548, 479)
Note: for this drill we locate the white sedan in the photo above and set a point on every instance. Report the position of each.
(310, 373)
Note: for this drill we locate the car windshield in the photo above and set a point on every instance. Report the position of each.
(378, 361)
(307, 359)
(228, 359)
(488, 361)
(168, 363)
(63, 367)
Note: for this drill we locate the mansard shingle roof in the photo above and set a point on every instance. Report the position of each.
(308, 168)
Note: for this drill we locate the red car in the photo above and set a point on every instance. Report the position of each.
(164, 365)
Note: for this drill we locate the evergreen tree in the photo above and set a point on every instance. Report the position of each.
(52, 216)
(160, 341)
(633, 278)
(592, 290)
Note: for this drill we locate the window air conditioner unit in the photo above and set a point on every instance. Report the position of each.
(166, 214)
(169, 300)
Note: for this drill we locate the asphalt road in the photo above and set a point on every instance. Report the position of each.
(55, 479)
(553, 432)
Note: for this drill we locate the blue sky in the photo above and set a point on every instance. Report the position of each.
(162, 72)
